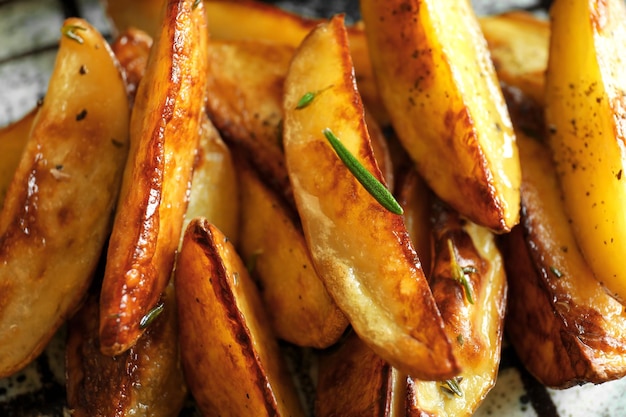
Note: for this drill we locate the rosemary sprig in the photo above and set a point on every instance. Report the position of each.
(196, 3)
(460, 274)
(369, 182)
(308, 97)
(151, 315)
(453, 386)
(70, 32)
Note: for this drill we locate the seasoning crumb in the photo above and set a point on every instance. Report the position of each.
(82, 70)
(58, 174)
(80, 116)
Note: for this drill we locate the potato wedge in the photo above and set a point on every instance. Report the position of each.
(565, 328)
(585, 88)
(230, 355)
(355, 382)
(164, 137)
(472, 310)
(214, 190)
(13, 139)
(360, 250)
(145, 380)
(272, 243)
(518, 42)
(132, 49)
(57, 212)
(442, 94)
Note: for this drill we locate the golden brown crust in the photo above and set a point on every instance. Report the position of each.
(164, 138)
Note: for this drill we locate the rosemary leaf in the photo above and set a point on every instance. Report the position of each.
(308, 97)
(556, 272)
(369, 182)
(151, 315)
(70, 32)
(460, 274)
(196, 3)
(305, 100)
(453, 386)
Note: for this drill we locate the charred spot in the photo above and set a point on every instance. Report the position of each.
(65, 215)
(81, 116)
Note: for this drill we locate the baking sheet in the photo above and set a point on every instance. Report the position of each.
(29, 32)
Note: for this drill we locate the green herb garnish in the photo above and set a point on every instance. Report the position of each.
(196, 3)
(460, 274)
(369, 182)
(308, 97)
(151, 315)
(556, 272)
(70, 32)
(453, 386)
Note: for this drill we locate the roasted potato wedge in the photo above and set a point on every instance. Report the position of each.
(585, 87)
(353, 381)
(13, 139)
(57, 212)
(145, 380)
(441, 91)
(132, 48)
(469, 285)
(518, 42)
(164, 137)
(361, 251)
(230, 355)
(565, 328)
(272, 243)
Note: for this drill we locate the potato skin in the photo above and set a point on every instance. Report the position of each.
(164, 138)
(565, 328)
(230, 355)
(57, 212)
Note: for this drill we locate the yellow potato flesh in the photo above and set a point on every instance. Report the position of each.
(56, 215)
(585, 112)
(442, 94)
(361, 251)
